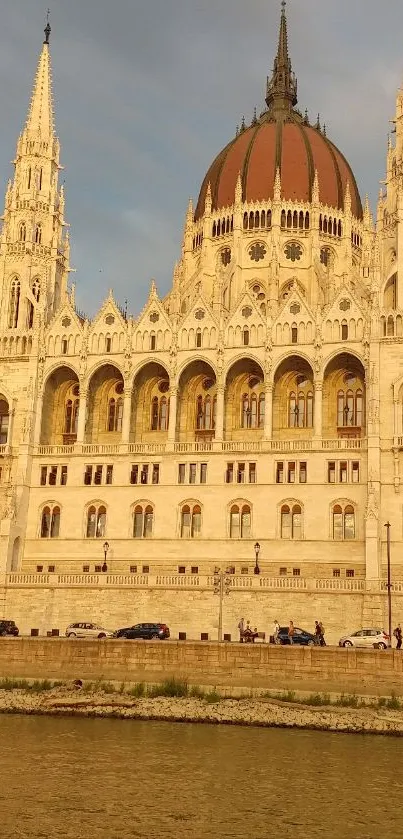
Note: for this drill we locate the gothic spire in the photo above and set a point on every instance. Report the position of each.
(40, 114)
(282, 86)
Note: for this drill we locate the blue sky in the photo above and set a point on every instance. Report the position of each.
(147, 93)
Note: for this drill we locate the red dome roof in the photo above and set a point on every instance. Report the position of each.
(294, 147)
(283, 140)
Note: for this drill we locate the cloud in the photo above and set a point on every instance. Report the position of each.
(147, 94)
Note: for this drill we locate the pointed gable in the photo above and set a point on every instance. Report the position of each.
(246, 327)
(344, 319)
(65, 326)
(153, 328)
(107, 332)
(199, 328)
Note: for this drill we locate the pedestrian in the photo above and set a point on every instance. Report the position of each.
(317, 632)
(291, 631)
(276, 629)
(241, 627)
(398, 635)
(322, 634)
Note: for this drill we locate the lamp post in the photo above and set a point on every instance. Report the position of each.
(106, 549)
(257, 552)
(222, 584)
(389, 583)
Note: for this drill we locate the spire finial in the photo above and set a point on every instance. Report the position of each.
(47, 29)
(282, 86)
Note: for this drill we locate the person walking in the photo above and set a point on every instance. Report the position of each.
(317, 632)
(275, 631)
(291, 631)
(322, 634)
(398, 635)
(241, 627)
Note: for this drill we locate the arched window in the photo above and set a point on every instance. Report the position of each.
(343, 522)
(4, 421)
(159, 413)
(350, 408)
(292, 411)
(253, 411)
(96, 522)
(240, 522)
(300, 409)
(22, 233)
(115, 414)
(154, 414)
(71, 416)
(14, 304)
(143, 521)
(38, 234)
(245, 337)
(190, 525)
(36, 290)
(50, 522)
(198, 338)
(262, 405)
(163, 419)
(291, 521)
(245, 411)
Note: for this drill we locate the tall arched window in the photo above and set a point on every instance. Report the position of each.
(71, 416)
(163, 416)
(115, 414)
(50, 522)
(22, 233)
(343, 522)
(300, 409)
(159, 413)
(240, 522)
(350, 408)
(14, 304)
(143, 521)
(4, 421)
(190, 524)
(291, 521)
(96, 522)
(36, 290)
(38, 234)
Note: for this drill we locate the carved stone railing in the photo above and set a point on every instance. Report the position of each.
(206, 446)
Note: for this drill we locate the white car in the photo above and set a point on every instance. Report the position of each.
(375, 638)
(87, 630)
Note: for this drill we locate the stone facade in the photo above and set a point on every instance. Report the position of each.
(260, 401)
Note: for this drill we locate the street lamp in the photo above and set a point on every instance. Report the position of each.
(222, 583)
(389, 583)
(257, 552)
(106, 549)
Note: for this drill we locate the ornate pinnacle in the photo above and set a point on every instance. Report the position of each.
(282, 86)
(238, 189)
(47, 29)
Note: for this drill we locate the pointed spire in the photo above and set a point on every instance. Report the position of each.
(315, 188)
(189, 215)
(238, 189)
(282, 86)
(277, 186)
(347, 199)
(40, 114)
(208, 202)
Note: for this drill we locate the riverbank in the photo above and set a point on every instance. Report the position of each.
(261, 711)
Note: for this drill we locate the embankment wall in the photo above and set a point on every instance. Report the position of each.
(238, 666)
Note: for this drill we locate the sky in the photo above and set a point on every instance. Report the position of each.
(147, 93)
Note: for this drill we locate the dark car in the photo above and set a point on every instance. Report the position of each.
(147, 631)
(300, 637)
(8, 628)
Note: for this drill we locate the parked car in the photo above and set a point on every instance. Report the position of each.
(87, 630)
(301, 637)
(8, 628)
(147, 631)
(377, 638)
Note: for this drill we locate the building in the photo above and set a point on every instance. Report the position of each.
(259, 401)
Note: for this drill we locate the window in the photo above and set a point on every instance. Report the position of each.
(144, 474)
(65, 346)
(344, 332)
(155, 473)
(241, 473)
(300, 409)
(296, 572)
(291, 473)
(252, 473)
(181, 569)
(145, 569)
(350, 572)
(355, 473)
(245, 337)
(63, 476)
(98, 569)
(36, 290)
(51, 569)
(38, 234)
(331, 472)
(343, 522)
(206, 409)
(71, 416)
(279, 473)
(244, 569)
(203, 473)
(240, 522)
(302, 473)
(50, 522)
(153, 341)
(143, 522)
(44, 473)
(181, 473)
(291, 521)
(115, 414)
(283, 571)
(96, 522)
(133, 569)
(134, 474)
(15, 294)
(109, 474)
(194, 569)
(192, 473)
(294, 335)
(39, 569)
(86, 569)
(88, 475)
(52, 476)
(108, 344)
(22, 233)
(350, 408)
(98, 475)
(252, 410)
(191, 523)
(198, 338)
(4, 421)
(343, 472)
(336, 572)
(159, 413)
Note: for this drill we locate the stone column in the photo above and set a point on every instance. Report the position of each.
(268, 410)
(173, 401)
(219, 421)
(318, 409)
(127, 405)
(82, 416)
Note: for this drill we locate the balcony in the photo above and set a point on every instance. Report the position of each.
(250, 447)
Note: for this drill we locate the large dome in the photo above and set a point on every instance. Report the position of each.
(281, 139)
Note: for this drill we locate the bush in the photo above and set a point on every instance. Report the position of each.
(170, 687)
(213, 696)
(138, 690)
(196, 692)
(393, 703)
(348, 701)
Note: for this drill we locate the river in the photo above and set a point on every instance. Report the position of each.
(71, 778)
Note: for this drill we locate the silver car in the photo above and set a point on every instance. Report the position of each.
(87, 630)
(375, 638)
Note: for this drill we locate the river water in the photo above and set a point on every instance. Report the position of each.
(111, 779)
